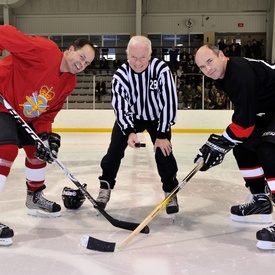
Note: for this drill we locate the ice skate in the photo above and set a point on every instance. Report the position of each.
(266, 238)
(104, 194)
(172, 207)
(258, 210)
(41, 207)
(6, 235)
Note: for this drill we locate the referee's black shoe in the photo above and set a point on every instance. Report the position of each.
(172, 207)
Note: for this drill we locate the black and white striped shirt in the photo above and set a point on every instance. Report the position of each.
(150, 95)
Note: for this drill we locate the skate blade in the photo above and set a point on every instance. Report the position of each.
(258, 218)
(5, 241)
(173, 217)
(264, 245)
(43, 214)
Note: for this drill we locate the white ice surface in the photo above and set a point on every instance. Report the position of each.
(202, 240)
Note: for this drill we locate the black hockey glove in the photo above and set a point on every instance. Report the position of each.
(213, 151)
(50, 150)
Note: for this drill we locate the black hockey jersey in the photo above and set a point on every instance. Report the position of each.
(250, 85)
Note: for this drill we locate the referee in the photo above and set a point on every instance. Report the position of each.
(144, 98)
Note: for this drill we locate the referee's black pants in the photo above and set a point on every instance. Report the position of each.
(110, 163)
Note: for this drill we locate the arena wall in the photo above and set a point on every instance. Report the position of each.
(188, 121)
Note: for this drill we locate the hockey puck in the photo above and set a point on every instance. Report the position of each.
(140, 145)
(146, 230)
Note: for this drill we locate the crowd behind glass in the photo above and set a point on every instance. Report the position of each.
(194, 90)
(192, 93)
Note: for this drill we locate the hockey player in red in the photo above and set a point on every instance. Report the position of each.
(35, 78)
(250, 85)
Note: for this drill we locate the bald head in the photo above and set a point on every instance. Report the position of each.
(211, 61)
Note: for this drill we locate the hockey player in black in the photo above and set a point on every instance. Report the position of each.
(144, 98)
(250, 85)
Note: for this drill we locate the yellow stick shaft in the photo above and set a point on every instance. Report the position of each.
(159, 207)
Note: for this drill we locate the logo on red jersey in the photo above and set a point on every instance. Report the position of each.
(37, 104)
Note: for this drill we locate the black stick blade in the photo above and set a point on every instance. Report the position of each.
(96, 244)
(131, 226)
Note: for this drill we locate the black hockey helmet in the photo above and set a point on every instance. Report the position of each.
(73, 199)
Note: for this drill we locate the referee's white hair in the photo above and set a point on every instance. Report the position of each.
(139, 39)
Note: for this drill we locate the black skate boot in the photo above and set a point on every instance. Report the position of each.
(172, 207)
(104, 194)
(39, 206)
(6, 235)
(266, 238)
(258, 210)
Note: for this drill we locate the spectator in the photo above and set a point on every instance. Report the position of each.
(227, 49)
(247, 50)
(234, 50)
(212, 96)
(188, 95)
(104, 65)
(116, 63)
(256, 48)
(100, 89)
(197, 99)
(183, 58)
(219, 101)
(180, 89)
(207, 103)
(190, 63)
(262, 47)
(173, 63)
(222, 45)
(180, 72)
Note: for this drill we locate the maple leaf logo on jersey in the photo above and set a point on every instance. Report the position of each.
(37, 104)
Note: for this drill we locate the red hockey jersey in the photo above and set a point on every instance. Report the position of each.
(30, 78)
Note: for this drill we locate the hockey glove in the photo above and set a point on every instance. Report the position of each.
(50, 150)
(213, 151)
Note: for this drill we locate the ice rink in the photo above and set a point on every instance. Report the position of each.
(202, 240)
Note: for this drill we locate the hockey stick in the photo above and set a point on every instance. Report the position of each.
(115, 222)
(103, 246)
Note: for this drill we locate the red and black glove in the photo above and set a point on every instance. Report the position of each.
(213, 151)
(49, 151)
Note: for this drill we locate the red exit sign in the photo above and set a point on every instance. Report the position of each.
(240, 25)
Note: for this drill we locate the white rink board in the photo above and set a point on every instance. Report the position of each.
(187, 119)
